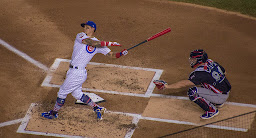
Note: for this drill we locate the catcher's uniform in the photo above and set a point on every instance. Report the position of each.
(77, 74)
(214, 85)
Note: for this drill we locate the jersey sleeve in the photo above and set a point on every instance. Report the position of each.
(103, 50)
(198, 77)
(80, 37)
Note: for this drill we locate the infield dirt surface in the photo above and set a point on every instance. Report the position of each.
(46, 29)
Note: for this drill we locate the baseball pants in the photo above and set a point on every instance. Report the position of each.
(211, 96)
(73, 83)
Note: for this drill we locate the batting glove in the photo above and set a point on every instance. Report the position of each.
(106, 43)
(123, 52)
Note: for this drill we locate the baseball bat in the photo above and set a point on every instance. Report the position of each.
(152, 37)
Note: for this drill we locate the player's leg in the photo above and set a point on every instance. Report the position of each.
(79, 95)
(206, 105)
(71, 83)
(54, 113)
(215, 98)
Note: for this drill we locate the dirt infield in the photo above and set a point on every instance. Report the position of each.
(45, 30)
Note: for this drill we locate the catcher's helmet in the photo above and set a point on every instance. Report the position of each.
(90, 23)
(200, 55)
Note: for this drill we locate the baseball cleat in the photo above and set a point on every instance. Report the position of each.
(219, 105)
(49, 115)
(209, 115)
(100, 112)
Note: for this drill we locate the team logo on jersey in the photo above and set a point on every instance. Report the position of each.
(90, 49)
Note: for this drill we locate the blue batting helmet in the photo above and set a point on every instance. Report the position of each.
(90, 23)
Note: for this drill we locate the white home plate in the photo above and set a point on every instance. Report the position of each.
(95, 98)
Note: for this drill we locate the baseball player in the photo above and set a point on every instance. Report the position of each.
(210, 87)
(85, 47)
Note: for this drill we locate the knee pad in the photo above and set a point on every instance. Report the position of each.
(192, 94)
(60, 101)
(85, 99)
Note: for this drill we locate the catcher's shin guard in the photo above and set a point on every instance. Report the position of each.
(203, 103)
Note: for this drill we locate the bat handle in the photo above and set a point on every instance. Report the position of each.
(159, 34)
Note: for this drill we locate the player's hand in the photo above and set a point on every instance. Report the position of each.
(123, 52)
(106, 43)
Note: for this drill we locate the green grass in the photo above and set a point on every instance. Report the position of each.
(247, 7)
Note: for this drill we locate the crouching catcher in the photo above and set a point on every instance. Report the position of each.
(209, 85)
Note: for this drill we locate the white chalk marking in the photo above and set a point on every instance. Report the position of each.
(169, 121)
(151, 86)
(24, 123)
(227, 128)
(136, 118)
(186, 98)
(148, 93)
(11, 122)
(241, 104)
(135, 121)
(169, 96)
(23, 55)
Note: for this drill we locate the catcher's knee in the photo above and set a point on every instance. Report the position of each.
(192, 94)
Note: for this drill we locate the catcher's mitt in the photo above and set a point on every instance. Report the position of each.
(160, 84)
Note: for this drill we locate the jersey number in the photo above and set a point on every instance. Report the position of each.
(217, 73)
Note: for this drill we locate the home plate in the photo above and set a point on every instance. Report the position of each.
(95, 98)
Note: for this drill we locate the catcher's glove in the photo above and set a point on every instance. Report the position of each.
(160, 84)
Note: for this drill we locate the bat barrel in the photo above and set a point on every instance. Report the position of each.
(159, 34)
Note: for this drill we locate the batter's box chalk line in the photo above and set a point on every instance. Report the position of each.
(25, 121)
(135, 121)
(55, 65)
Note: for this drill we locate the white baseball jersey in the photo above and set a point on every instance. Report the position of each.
(82, 53)
(81, 56)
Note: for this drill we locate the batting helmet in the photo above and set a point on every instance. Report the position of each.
(200, 55)
(90, 23)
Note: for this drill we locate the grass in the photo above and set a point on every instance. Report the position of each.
(247, 7)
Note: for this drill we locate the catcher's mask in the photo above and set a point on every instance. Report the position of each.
(197, 57)
(90, 23)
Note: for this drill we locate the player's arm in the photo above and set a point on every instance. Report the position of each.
(95, 43)
(117, 54)
(161, 84)
(180, 84)
(91, 42)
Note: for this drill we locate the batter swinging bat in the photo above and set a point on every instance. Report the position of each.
(152, 37)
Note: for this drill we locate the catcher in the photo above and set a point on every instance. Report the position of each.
(210, 87)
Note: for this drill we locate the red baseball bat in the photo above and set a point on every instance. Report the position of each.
(152, 37)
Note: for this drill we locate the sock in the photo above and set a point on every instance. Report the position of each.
(59, 103)
(87, 100)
